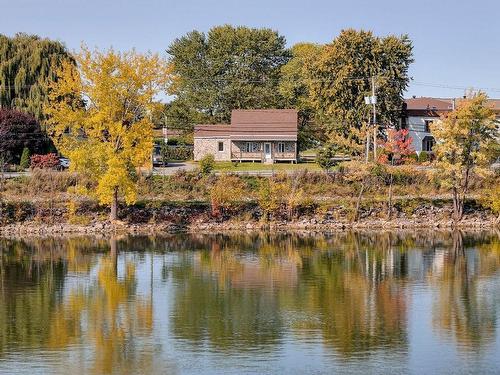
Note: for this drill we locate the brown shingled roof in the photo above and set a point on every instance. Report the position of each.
(212, 130)
(255, 125)
(264, 124)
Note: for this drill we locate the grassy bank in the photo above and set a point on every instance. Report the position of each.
(352, 194)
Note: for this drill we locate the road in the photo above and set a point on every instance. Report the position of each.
(172, 168)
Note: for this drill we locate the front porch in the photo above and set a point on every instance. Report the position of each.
(264, 152)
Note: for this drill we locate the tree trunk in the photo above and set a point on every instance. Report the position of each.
(389, 213)
(358, 202)
(114, 206)
(455, 204)
(367, 154)
(114, 254)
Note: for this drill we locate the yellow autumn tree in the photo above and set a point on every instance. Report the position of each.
(100, 116)
(466, 141)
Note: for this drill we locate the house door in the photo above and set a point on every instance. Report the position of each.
(267, 151)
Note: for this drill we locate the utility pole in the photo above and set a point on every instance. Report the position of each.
(374, 104)
(367, 154)
(373, 101)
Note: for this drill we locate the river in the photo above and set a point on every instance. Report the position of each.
(261, 303)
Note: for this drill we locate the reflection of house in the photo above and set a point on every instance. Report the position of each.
(264, 135)
(420, 113)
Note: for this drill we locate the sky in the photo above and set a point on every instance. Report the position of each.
(456, 43)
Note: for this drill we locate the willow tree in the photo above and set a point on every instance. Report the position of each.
(341, 76)
(100, 116)
(28, 64)
(466, 144)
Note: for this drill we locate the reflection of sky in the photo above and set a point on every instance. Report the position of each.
(428, 352)
(295, 351)
(434, 353)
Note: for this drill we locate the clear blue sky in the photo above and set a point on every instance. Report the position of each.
(456, 43)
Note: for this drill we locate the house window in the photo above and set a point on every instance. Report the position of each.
(251, 147)
(221, 146)
(281, 147)
(427, 126)
(428, 143)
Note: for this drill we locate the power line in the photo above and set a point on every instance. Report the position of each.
(314, 80)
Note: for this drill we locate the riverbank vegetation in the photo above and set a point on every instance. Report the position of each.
(351, 193)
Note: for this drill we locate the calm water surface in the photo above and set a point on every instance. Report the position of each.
(381, 303)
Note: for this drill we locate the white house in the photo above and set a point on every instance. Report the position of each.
(419, 113)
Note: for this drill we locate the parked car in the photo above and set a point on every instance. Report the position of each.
(157, 157)
(63, 163)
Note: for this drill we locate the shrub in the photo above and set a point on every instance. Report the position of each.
(73, 216)
(171, 152)
(49, 181)
(282, 196)
(225, 192)
(398, 146)
(12, 212)
(268, 199)
(25, 158)
(491, 199)
(48, 161)
(423, 157)
(379, 170)
(412, 158)
(207, 164)
(325, 157)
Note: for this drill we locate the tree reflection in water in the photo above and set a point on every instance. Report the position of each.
(104, 314)
(463, 310)
(243, 293)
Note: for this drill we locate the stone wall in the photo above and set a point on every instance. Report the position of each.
(205, 146)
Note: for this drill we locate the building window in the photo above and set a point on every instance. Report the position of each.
(251, 147)
(428, 143)
(221, 146)
(427, 126)
(281, 147)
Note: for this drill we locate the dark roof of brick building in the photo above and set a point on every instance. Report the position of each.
(434, 107)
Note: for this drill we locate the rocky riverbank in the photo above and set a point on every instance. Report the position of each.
(107, 227)
(195, 217)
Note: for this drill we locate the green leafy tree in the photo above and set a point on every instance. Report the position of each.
(295, 91)
(227, 68)
(466, 144)
(28, 64)
(340, 78)
(181, 116)
(25, 158)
